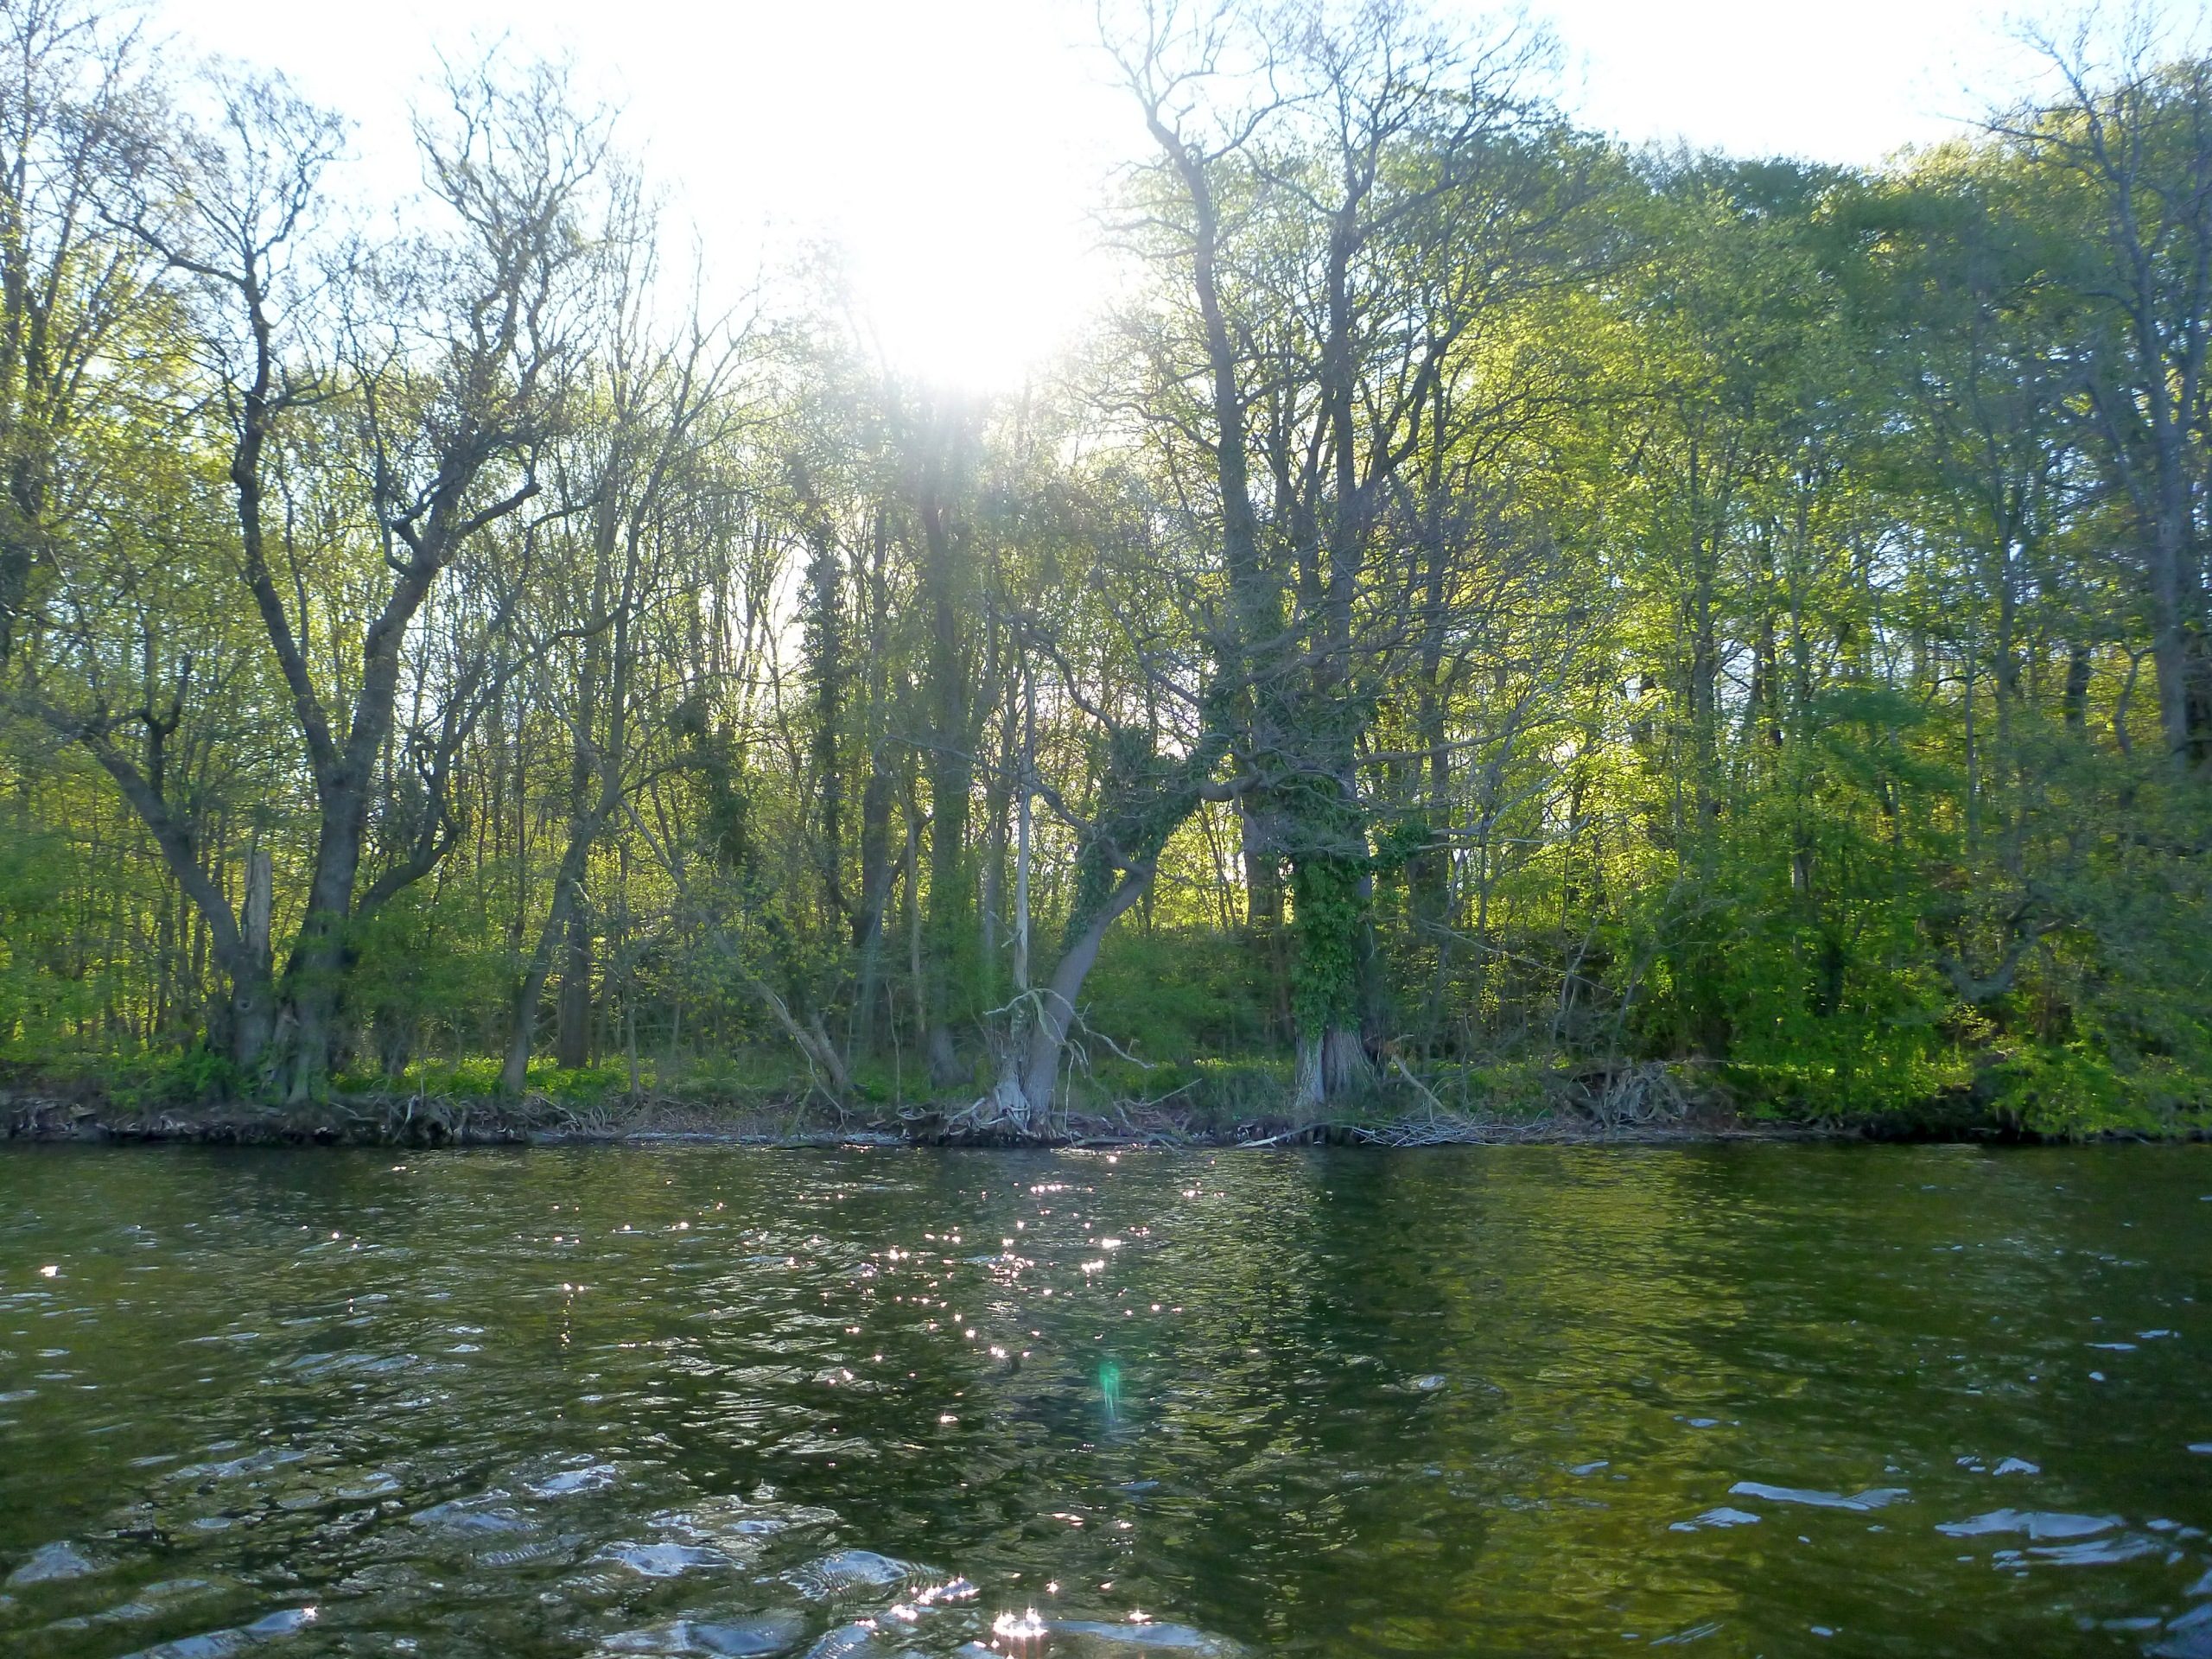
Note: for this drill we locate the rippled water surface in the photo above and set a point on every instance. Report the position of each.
(1754, 1400)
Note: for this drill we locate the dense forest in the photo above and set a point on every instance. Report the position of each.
(1486, 606)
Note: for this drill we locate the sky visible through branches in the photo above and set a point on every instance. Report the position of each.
(954, 152)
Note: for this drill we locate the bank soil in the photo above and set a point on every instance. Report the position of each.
(27, 1115)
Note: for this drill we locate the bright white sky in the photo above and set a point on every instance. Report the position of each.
(955, 147)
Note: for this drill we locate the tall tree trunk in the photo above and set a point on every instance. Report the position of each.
(2076, 699)
(253, 1011)
(530, 990)
(2179, 650)
(572, 1008)
(877, 870)
(824, 645)
(1332, 880)
(952, 773)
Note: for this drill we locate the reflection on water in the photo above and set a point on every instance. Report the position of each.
(1510, 1401)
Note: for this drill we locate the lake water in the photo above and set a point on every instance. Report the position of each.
(1750, 1399)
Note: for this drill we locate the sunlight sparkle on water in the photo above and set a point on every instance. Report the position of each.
(1026, 1628)
(700, 1360)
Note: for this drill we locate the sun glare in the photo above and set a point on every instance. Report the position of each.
(952, 154)
(978, 313)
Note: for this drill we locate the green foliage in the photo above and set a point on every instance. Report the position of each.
(158, 1081)
(1211, 1095)
(432, 969)
(2063, 1092)
(1798, 955)
(44, 997)
(1679, 608)
(1167, 995)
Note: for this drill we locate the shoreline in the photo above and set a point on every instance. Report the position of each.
(36, 1118)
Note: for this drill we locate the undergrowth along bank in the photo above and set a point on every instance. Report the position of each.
(1203, 1104)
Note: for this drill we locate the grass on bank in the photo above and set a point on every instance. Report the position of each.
(2060, 1093)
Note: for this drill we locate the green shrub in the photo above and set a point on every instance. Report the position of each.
(177, 1081)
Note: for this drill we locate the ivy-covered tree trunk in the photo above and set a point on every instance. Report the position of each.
(1330, 875)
